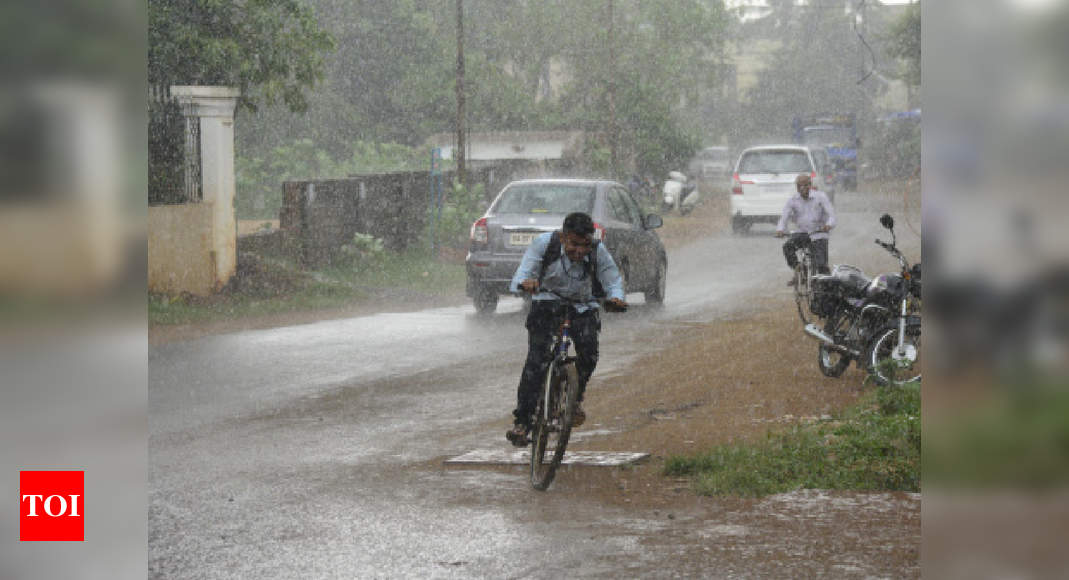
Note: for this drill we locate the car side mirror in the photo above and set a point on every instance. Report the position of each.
(653, 221)
(887, 221)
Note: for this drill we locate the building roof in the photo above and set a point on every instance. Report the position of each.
(511, 145)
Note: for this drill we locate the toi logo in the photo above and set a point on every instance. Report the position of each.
(51, 506)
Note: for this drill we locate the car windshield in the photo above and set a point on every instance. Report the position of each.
(546, 198)
(774, 162)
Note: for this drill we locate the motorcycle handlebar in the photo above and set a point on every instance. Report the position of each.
(894, 252)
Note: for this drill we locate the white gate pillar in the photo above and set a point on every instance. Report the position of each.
(214, 108)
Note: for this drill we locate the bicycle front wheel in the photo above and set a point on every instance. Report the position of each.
(802, 291)
(553, 425)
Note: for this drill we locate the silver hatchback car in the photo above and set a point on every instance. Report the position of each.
(524, 209)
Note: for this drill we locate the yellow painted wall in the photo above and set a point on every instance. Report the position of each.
(180, 254)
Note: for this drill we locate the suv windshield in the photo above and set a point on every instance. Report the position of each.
(774, 162)
(546, 198)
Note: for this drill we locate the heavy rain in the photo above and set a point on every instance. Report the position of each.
(298, 356)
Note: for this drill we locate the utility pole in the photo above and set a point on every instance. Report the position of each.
(460, 154)
(612, 96)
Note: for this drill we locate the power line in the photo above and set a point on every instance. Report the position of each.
(872, 53)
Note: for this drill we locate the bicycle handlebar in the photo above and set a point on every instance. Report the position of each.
(605, 304)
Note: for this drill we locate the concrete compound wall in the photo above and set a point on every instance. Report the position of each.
(318, 217)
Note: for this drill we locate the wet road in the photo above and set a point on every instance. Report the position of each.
(315, 450)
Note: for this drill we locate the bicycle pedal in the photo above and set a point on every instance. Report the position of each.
(517, 440)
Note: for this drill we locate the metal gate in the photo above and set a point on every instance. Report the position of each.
(174, 164)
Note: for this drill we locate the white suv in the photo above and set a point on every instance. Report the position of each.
(764, 181)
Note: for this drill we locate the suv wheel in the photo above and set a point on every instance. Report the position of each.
(740, 225)
(485, 301)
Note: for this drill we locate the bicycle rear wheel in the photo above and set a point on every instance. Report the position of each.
(553, 424)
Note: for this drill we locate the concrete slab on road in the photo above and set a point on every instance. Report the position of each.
(523, 457)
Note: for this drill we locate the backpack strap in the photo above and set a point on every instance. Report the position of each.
(552, 254)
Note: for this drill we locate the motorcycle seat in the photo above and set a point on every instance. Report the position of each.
(851, 278)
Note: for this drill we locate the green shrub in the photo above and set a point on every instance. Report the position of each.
(364, 249)
(461, 208)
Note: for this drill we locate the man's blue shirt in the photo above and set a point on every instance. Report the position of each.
(565, 278)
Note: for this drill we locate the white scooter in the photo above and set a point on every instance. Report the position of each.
(680, 193)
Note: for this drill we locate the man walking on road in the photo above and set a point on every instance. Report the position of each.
(813, 213)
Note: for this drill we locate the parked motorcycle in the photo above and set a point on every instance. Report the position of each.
(680, 193)
(875, 322)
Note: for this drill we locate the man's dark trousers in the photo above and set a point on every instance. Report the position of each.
(543, 321)
(818, 250)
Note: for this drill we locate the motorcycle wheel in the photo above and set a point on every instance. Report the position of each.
(889, 367)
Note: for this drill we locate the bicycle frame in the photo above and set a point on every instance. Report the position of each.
(562, 342)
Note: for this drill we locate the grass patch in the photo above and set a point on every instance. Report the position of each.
(271, 285)
(874, 445)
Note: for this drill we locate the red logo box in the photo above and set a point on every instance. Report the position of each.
(52, 506)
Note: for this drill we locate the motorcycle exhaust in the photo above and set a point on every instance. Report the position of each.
(812, 330)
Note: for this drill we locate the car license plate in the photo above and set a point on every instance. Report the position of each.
(520, 239)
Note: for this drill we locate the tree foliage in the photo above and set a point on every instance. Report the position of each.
(272, 50)
(384, 72)
(818, 67)
(905, 44)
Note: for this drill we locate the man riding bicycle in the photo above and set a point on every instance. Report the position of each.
(568, 264)
(813, 213)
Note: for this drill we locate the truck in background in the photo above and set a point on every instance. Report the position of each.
(837, 133)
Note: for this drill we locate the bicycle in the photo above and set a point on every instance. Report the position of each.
(555, 411)
(803, 274)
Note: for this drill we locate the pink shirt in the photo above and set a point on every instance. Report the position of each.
(809, 214)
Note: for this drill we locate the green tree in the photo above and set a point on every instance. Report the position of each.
(817, 69)
(389, 80)
(666, 55)
(271, 49)
(904, 40)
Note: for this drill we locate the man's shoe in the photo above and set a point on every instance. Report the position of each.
(580, 415)
(517, 435)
